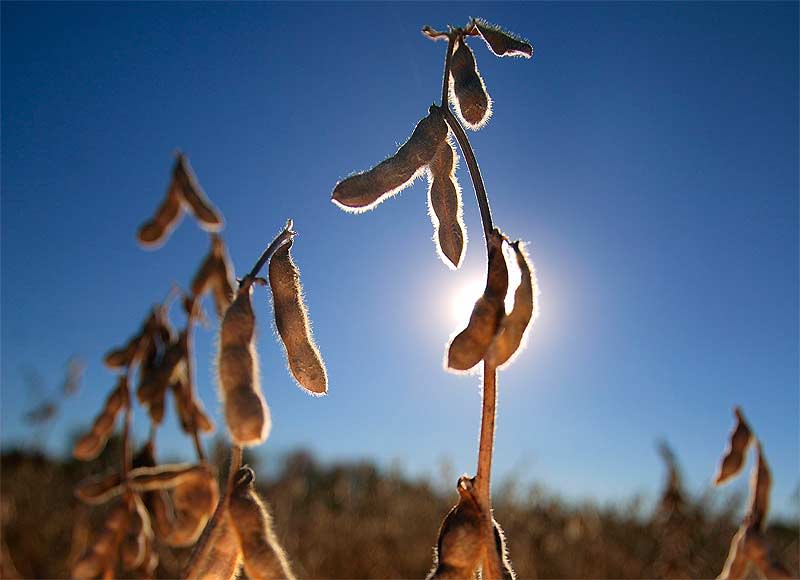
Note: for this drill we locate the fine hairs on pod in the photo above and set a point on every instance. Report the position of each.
(516, 323)
(467, 89)
(458, 549)
(469, 346)
(291, 320)
(502, 42)
(363, 191)
(246, 412)
(733, 460)
(263, 556)
(445, 206)
(223, 556)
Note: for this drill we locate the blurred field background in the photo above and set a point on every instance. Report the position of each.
(353, 520)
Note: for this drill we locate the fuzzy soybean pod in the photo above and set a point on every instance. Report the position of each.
(363, 191)
(263, 556)
(90, 445)
(467, 89)
(733, 460)
(469, 347)
(133, 549)
(501, 42)
(215, 275)
(156, 230)
(223, 557)
(99, 489)
(458, 549)
(246, 412)
(445, 207)
(193, 196)
(102, 553)
(502, 552)
(291, 320)
(514, 326)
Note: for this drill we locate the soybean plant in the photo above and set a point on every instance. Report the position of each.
(180, 505)
(470, 540)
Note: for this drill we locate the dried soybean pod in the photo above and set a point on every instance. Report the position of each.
(221, 562)
(458, 548)
(467, 89)
(291, 320)
(215, 274)
(760, 487)
(468, 347)
(165, 476)
(737, 562)
(194, 197)
(246, 412)
(514, 326)
(90, 445)
(155, 231)
(262, 554)
(738, 441)
(501, 42)
(445, 207)
(99, 488)
(134, 546)
(103, 550)
(502, 552)
(363, 191)
(122, 356)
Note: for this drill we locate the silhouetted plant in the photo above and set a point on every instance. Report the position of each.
(469, 539)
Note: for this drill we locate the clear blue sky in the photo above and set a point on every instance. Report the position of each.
(648, 153)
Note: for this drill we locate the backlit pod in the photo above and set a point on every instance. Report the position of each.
(156, 230)
(514, 325)
(291, 320)
(501, 42)
(90, 445)
(363, 191)
(223, 554)
(445, 207)
(468, 347)
(467, 89)
(193, 196)
(263, 556)
(738, 441)
(246, 412)
(458, 549)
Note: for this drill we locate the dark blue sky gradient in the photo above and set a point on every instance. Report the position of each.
(648, 153)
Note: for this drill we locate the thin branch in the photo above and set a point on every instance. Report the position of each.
(127, 452)
(286, 234)
(198, 445)
(451, 40)
(203, 544)
(474, 172)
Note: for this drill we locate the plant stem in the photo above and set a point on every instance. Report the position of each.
(474, 172)
(285, 235)
(198, 445)
(127, 453)
(203, 544)
(490, 564)
(451, 38)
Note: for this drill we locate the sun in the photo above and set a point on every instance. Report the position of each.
(463, 301)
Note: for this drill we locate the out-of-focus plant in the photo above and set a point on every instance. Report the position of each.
(180, 505)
